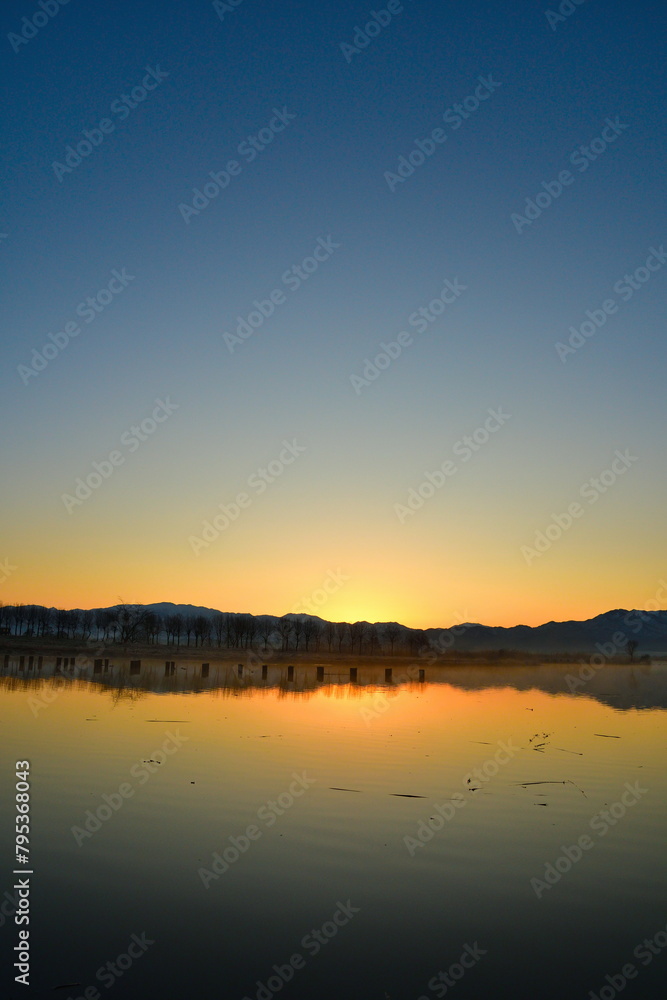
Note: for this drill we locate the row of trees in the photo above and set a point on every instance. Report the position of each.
(127, 623)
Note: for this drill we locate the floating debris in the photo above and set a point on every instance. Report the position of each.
(568, 781)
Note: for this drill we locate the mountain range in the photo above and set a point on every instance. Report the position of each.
(607, 633)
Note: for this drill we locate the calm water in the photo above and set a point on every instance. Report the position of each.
(326, 869)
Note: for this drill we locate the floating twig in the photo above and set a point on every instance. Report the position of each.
(568, 781)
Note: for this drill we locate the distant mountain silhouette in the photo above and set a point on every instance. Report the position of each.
(611, 629)
(649, 628)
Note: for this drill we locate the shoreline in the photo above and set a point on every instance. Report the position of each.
(257, 654)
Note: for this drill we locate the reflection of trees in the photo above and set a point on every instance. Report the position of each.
(124, 693)
(623, 686)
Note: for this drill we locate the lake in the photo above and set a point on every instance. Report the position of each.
(474, 832)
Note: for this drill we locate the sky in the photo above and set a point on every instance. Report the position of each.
(501, 170)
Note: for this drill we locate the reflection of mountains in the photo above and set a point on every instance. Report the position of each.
(620, 686)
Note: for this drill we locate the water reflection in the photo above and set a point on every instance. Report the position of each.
(621, 686)
(434, 807)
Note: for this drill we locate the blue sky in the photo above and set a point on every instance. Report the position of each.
(322, 176)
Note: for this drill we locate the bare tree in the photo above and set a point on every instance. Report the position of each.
(311, 632)
(132, 623)
(189, 626)
(30, 619)
(101, 622)
(154, 625)
(219, 627)
(373, 639)
(415, 642)
(61, 622)
(229, 625)
(286, 628)
(297, 628)
(72, 622)
(18, 614)
(86, 624)
(170, 627)
(177, 627)
(358, 633)
(392, 633)
(247, 629)
(342, 632)
(44, 619)
(202, 630)
(266, 630)
(631, 647)
(329, 634)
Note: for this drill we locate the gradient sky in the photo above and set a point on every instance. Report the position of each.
(460, 556)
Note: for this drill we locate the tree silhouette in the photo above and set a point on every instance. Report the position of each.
(392, 633)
